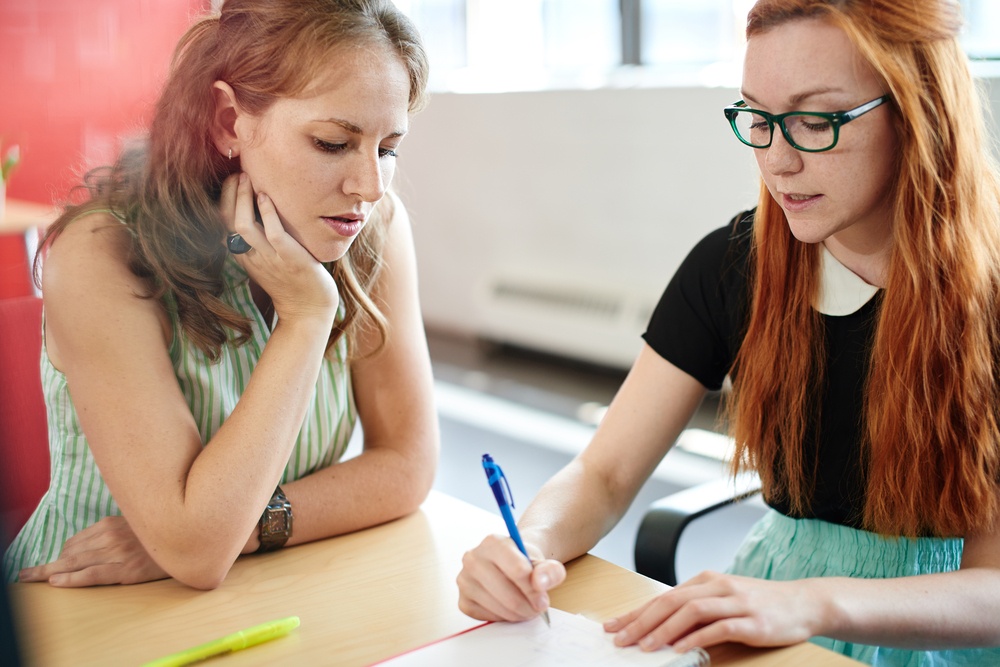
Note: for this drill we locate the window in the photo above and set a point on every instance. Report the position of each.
(443, 26)
(500, 45)
(981, 36)
(515, 44)
(680, 32)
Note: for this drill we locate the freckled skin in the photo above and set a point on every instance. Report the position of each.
(368, 88)
(800, 66)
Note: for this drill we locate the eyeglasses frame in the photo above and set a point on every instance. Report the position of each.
(835, 118)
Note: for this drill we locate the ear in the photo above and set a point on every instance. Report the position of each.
(227, 111)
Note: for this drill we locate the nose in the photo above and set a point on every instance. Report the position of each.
(780, 157)
(369, 176)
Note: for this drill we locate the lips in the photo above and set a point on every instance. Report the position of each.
(795, 201)
(345, 225)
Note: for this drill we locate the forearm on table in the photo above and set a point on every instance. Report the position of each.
(935, 611)
(378, 485)
(252, 447)
(231, 479)
(585, 500)
(571, 513)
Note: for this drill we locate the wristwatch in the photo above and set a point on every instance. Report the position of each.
(275, 522)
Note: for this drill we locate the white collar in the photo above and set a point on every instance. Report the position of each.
(841, 291)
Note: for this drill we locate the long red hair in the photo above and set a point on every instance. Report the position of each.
(931, 442)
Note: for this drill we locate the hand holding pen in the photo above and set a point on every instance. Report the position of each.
(501, 491)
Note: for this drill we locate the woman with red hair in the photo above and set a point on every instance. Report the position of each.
(856, 311)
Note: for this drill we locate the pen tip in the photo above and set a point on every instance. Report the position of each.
(545, 615)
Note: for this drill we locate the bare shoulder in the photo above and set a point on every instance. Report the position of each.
(398, 252)
(399, 235)
(87, 252)
(89, 289)
(397, 211)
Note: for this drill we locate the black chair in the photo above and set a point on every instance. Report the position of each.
(665, 520)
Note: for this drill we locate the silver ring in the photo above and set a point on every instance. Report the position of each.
(237, 244)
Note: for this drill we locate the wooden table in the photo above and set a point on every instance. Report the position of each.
(362, 598)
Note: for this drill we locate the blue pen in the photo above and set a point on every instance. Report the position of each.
(498, 483)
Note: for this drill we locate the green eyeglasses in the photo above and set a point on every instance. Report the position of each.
(809, 131)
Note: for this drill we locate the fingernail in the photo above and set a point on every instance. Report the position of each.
(24, 575)
(648, 642)
(261, 197)
(57, 579)
(543, 580)
(621, 637)
(610, 623)
(243, 177)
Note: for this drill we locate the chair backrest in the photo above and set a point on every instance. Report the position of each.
(24, 450)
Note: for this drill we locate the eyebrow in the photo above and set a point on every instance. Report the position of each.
(354, 129)
(799, 97)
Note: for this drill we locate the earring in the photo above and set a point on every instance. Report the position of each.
(230, 152)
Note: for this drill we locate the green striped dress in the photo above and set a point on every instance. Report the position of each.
(77, 495)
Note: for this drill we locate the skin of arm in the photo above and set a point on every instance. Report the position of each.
(400, 448)
(954, 609)
(936, 611)
(394, 393)
(584, 500)
(190, 507)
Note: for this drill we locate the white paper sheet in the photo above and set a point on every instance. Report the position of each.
(572, 641)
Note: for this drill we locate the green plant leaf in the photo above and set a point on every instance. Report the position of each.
(10, 161)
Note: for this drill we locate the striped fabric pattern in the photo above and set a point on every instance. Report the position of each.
(77, 495)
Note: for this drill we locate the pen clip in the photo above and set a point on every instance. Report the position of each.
(498, 481)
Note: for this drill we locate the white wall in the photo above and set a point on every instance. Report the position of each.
(555, 219)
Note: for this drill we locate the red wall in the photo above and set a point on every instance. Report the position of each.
(76, 76)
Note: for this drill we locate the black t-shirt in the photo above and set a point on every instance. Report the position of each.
(699, 324)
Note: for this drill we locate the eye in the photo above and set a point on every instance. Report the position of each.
(387, 152)
(328, 147)
(815, 123)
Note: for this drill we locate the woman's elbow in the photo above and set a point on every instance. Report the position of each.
(200, 570)
(203, 581)
(418, 477)
(428, 464)
(203, 578)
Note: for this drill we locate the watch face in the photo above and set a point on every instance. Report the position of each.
(275, 522)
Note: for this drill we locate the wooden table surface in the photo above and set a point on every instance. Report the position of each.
(361, 597)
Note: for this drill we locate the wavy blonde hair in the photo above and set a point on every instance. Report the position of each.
(166, 189)
(931, 441)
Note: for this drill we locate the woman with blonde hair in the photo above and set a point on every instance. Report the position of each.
(229, 299)
(856, 312)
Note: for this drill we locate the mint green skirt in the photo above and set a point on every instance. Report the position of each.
(781, 548)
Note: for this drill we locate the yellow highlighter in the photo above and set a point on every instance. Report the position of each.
(258, 634)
